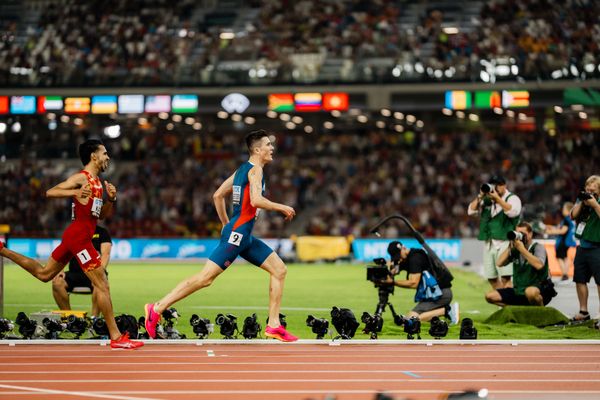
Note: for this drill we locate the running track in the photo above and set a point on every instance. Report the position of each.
(298, 371)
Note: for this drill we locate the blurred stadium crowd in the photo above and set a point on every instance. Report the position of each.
(159, 42)
(340, 183)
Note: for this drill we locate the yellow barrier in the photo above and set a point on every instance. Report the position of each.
(314, 248)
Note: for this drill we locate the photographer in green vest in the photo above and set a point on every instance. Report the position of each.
(531, 283)
(498, 210)
(586, 213)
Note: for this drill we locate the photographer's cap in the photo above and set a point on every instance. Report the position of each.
(497, 180)
(394, 250)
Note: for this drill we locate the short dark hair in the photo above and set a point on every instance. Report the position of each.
(87, 148)
(497, 180)
(525, 225)
(254, 137)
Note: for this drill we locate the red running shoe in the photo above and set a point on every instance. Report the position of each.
(152, 318)
(123, 342)
(280, 333)
(1, 244)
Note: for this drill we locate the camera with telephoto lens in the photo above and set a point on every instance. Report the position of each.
(251, 327)
(515, 235)
(320, 326)
(373, 324)
(467, 330)
(27, 327)
(487, 188)
(201, 326)
(412, 327)
(6, 325)
(582, 196)
(438, 328)
(54, 328)
(77, 325)
(167, 329)
(228, 325)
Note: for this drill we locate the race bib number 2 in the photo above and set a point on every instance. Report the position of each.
(235, 238)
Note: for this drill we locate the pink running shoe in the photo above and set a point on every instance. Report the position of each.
(124, 342)
(280, 333)
(152, 318)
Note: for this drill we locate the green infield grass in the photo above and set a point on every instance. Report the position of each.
(243, 289)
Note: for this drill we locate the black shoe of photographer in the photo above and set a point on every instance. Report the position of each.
(581, 317)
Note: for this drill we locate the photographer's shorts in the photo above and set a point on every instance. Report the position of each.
(491, 253)
(587, 264)
(510, 298)
(443, 301)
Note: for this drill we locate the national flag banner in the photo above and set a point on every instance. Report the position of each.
(308, 101)
(184, 103)
(104, 104)
(281, 102)
(335, 101)
(458, 99)
(49, 103)
(22, 104)
(77, 105)
(515, 98)
(157, 104)
(130, 104)
(487, 99)
(4, 105)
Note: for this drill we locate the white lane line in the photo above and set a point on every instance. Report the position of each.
(306, 371)
(336, 391)
(213, 363)
(311, 356)
(284, 380)
(31, 390)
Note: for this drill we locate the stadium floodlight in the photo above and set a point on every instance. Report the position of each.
(113, 131)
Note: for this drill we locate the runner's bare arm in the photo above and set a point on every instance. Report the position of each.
(219, 199)
(76, 185)
(257, 200)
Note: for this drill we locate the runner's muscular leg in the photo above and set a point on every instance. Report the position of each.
(190, 285)
(60, 293)
(275, 266)
(100, 282)
(35, 268)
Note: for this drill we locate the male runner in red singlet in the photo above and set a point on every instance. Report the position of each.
(246, 186)
(85, 188)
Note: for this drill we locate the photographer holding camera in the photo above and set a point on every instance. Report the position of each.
(417, 265)
(499, 212)
(586, 212)
(531, 284)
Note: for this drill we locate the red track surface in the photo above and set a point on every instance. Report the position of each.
(301, 371)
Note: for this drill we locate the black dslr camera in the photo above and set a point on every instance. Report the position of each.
(583, 196)
(228, 325)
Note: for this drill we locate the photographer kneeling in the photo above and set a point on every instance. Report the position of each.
(531, 284)
(417, 265)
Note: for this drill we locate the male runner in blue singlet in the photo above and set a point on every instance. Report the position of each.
(246, 186)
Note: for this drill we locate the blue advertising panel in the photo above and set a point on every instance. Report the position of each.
(367, 249)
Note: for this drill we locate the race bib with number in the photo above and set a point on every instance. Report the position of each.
(235, 238)
(580, 228)
(84, 256)
(96, 207)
